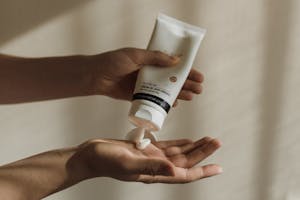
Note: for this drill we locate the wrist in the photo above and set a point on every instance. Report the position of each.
(86, 161)
(77, 166)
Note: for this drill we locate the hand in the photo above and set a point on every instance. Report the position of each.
(43, 174)
(162, 162)
(116, 72)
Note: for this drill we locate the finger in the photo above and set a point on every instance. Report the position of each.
(186, 95)
(175, 150)
(168, 143)
(195, 75)
(199, 154)
(146, 57)
(192, 86)
(150, 167)
(200, 172)
(184, 175)
(175, 103)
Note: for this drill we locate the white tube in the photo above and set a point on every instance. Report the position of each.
(157, 88)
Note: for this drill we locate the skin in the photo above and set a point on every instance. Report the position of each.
(171, 161)
(111, 74)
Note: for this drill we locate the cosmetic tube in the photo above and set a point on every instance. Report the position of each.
(157, 88)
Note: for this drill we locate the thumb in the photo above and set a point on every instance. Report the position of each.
(147, 57)
(153, 167)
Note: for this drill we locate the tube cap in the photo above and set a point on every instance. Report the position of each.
(142, 115)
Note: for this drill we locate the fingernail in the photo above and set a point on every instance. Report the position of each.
(217, 142)
(220, 170)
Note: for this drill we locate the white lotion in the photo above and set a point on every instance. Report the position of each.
(157, 88)
(137, 135)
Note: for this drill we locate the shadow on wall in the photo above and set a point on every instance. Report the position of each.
(18, 17)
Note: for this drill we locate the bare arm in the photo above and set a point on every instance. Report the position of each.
(162, 162)
(38, 176)
(34, 79)
(111, 73)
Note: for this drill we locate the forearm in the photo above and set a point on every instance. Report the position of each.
(41, 175)
(34, 79)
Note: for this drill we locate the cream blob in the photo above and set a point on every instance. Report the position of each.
(141, 137)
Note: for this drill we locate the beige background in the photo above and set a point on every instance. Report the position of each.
(250, 58)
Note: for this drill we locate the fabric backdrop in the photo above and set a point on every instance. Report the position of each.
(251, 99)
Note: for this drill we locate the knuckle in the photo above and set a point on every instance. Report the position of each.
(187, 140)
(188, 178)
(189, 97)
(132, 52)
(157, 53)
(88, 143)
(198, 90)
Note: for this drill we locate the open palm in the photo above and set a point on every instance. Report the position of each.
(164, 161)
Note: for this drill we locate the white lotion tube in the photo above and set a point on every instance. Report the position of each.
(157, 88)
